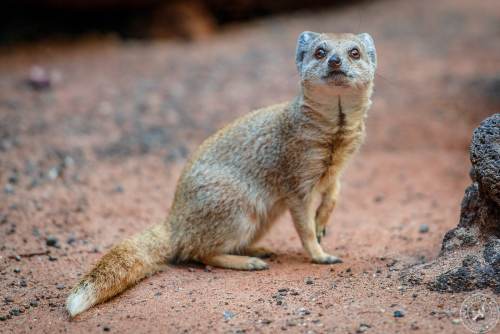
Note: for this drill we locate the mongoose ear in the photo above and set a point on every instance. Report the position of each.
(303, 43)
(367, 41)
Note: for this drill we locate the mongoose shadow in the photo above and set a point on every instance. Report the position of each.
(241, 179)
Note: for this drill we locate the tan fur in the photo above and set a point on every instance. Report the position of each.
(247, 174)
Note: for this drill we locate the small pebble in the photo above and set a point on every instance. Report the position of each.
(51, 241)
(303, 311)
(13, 178)
(60, 286)
(17, 270)
(52, 258)
(23, 283)
(362, 328)
(8, 189)
(456, 321)
(228, 315)
(118, 189)
(424, 228)
(309, 280)
(39, 78)
(53, 173)
(399, 314)
(3, 318)
(106, 328)
(33, 303)
(15, 312)
(392, 263)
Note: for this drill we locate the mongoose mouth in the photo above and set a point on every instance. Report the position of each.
(335, 73)
(337, 77)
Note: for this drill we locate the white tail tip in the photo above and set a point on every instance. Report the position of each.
(80, 299)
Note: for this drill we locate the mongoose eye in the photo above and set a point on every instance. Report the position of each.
(354, 53)
(320, 53)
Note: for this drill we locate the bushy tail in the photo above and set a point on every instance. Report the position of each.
(124, 265)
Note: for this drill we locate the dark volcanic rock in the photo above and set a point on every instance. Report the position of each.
(470, 253)
(485, 158)
(479, 220)
(491, 253)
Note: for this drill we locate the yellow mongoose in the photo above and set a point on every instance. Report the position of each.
(243, 177)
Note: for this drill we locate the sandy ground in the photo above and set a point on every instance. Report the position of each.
(96, 157)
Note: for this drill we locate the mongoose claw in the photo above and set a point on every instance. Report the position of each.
(321, 234)
(328, 259)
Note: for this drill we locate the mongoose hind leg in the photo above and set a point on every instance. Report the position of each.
(258, 251)
(238, 262)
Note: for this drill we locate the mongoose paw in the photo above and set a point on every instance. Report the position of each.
(327, 259)
(256, 264)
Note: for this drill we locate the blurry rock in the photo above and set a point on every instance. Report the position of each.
(52, 241)
(228, 315)
(423, 228)
(39, 78)
(480, 212)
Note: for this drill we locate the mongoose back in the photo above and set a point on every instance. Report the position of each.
(287, 156)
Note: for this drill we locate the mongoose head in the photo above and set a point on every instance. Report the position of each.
(335, 62)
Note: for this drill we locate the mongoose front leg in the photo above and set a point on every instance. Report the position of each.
(303, 219)
(328, 202)
(238, 262)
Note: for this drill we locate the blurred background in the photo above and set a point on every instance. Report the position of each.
(188, 20)
(102, 101)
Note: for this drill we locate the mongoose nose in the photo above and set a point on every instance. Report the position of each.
(334, 61)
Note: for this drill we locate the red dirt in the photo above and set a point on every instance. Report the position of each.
(98, 154)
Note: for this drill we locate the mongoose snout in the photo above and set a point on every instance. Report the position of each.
(334, 62)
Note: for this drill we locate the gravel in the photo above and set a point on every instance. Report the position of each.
(52, 241)
(309, 280)
(15, 312)
(399, 314)
(423, 228)
(228, 315)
